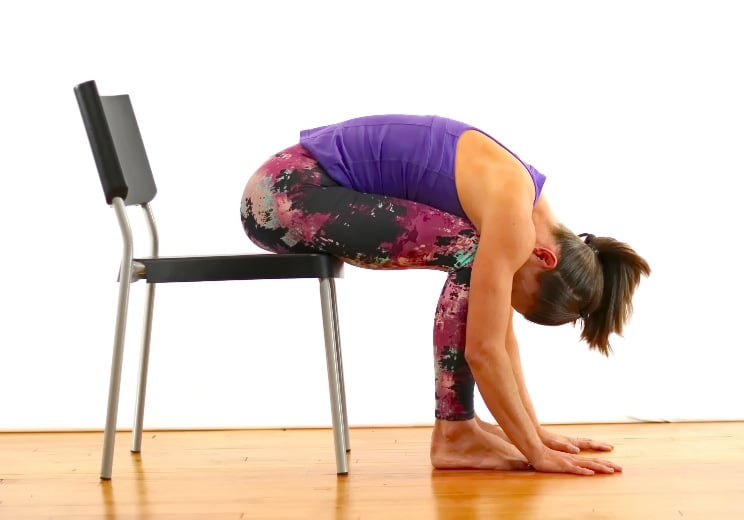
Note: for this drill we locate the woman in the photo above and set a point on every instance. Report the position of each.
(402, 192)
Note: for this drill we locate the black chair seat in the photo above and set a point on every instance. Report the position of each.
(240, 267)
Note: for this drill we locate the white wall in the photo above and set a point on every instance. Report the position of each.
(633, 110)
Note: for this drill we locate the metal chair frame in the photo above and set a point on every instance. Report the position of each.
(100, 115)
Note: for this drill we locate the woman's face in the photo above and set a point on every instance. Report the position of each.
(526, 281)
(525, 286)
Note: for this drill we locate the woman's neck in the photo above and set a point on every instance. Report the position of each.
(545, 222)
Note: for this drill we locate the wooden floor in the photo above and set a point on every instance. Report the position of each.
(672, 471)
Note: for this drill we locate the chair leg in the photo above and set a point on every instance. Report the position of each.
(139, 410)
(334, 387)
(342, 385)
(115, 380)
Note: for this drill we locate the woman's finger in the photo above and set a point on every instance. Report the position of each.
(597, 466)
(565, 446)
(610, 464)
(588, 444)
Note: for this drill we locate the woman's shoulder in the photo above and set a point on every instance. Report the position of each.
(488, 174)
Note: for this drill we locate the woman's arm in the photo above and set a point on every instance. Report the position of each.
(507, 238)
(551, 440)
(512, 347)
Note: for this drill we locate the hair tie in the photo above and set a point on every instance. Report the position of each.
(583, 313)
(588, 238)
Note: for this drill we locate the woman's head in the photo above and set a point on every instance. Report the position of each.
(594, 279)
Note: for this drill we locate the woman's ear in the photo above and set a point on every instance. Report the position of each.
(547, 258)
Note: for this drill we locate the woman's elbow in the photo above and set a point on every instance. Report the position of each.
(480, 355)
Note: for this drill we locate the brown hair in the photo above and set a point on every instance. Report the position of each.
(595, 279)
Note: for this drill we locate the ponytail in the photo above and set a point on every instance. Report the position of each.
(621, 269)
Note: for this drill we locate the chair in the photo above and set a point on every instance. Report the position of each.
(127, 180)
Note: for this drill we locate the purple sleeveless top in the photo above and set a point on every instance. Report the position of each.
(409, 157)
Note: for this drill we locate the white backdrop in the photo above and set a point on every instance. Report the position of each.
(633, 110)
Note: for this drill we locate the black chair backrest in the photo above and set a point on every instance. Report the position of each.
(117, 145)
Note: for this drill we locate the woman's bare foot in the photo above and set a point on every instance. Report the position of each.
(465, 445)
(492, 428)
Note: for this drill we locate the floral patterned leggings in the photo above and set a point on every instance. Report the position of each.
(291, 205)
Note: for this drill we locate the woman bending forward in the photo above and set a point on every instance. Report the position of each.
(406, 192)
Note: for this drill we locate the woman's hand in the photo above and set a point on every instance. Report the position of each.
(570, 445)
(552, 461)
